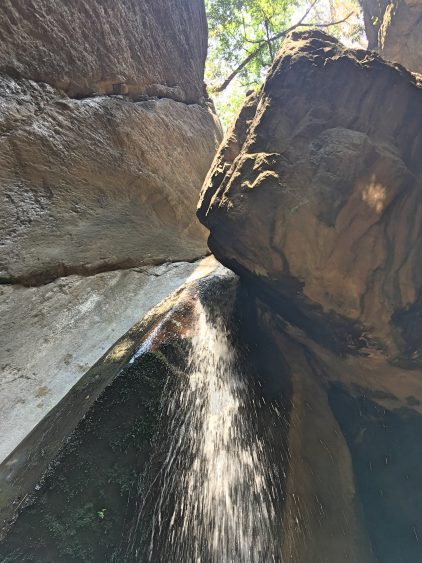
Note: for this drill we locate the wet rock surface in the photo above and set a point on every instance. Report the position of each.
(343, 461)
(80, 510)
(51, 335)
(69, 399)
(354, 444)
(110, 493)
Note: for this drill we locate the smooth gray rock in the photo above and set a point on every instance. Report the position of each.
(51, 335)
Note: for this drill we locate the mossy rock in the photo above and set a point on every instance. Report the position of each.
(80, 510)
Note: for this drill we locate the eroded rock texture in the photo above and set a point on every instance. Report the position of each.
(103, 47)
(101, 182)
(316, 192)
(105, 140)
(394, 28)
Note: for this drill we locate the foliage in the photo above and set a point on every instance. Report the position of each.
(237, 27)
(101, 513)
(245, 35)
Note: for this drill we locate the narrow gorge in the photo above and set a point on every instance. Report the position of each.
(211, 342)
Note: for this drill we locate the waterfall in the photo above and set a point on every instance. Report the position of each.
(218, 492)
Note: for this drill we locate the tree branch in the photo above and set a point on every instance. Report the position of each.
(269, 43)
(285, 31)
(325, 24)
(236, 71)
(264, 42)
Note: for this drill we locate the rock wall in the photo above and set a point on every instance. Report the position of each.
(100, 183)
(105, 140)
(106, 47)
(394, 28)
(315, 200)
(317, 192)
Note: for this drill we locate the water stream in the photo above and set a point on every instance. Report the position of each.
(182, 458)
(222, 440)
(219, 493)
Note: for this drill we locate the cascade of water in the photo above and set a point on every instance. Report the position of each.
(218, 486)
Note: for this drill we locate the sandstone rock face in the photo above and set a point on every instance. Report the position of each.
(315, 200)
(105, 139)
(317, 194)
(100, 183)
(395, 30)
(102, 46)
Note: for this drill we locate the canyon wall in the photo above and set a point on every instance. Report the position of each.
(315, 200)
(317, 192)
(106, 136)
(102, 109)
(105, 47)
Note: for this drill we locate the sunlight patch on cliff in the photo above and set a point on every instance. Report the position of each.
(375, 196)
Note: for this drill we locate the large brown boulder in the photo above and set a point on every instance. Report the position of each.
(394, 29)
(316, 193)
(315, 200)
(104, 46)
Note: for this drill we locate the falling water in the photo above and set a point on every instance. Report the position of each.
(218, 489)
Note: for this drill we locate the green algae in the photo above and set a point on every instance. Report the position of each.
(98, 472)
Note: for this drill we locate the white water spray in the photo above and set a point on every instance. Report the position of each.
(216, 503)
